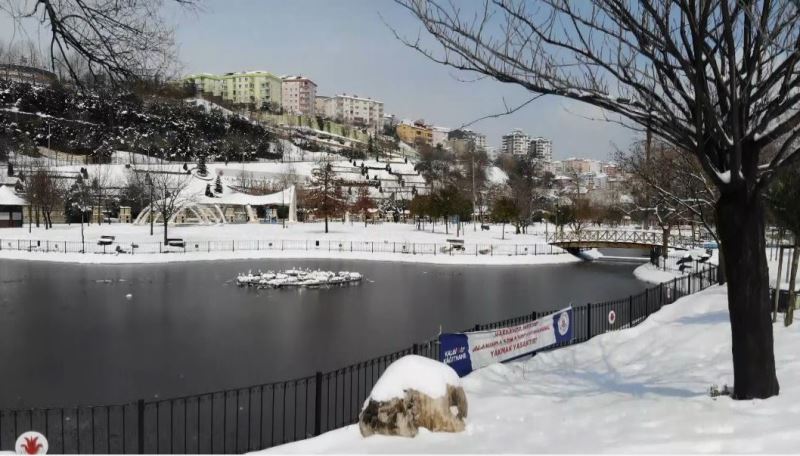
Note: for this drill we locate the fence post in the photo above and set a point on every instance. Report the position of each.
(140, 426)
(318, 404)
(588, 320)
(630, 311)
(647, 302)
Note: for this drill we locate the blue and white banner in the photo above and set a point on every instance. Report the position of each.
(465, 352)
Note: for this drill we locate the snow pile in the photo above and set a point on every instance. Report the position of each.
(640, 390)
(414, 372)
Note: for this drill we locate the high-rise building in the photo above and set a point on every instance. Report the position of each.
(299, 95)
(541, 149)
(246, 88)
(516, 143)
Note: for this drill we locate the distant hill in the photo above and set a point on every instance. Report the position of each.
(95, 123)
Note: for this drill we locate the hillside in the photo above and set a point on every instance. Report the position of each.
(95, 123)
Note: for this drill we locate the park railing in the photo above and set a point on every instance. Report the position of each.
(189, 246)
(262, 416)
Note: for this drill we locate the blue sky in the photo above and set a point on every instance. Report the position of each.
(344, 46)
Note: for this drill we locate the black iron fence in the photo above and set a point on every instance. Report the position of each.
(262, 416)
(189, 246)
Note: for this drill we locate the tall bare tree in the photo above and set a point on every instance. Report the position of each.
(121, 39)
(716, 78)
(168, 189)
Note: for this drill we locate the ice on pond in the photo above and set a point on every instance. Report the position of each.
(297, 278)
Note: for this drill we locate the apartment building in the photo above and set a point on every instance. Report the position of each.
(358, 111)
(541, 149)
(298, 95)
(464, 137)
(516, 143)
(245, 88)
(413, 132)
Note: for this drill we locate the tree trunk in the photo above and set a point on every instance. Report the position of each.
(741, 229)
(778, 285)
(326, 223)
(165, 228)
(665, 243)
(503, 235)
(792, 285)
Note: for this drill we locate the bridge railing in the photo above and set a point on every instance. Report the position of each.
(653, 238)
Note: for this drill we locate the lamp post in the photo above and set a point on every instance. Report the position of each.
(149, 181)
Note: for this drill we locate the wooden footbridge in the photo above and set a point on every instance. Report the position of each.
(575, 241)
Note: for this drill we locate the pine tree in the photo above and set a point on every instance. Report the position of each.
(325, 193)
(10, 169)
(201, 166)
(218, 185)
(208, 191)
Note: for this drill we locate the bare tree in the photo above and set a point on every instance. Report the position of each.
(669, 187)
(168, 189)
(717, 79)
(46, 192)
(120, 39)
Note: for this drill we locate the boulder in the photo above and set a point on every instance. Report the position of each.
(414, 391)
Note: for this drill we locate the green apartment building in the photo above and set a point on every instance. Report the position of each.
(251, 87)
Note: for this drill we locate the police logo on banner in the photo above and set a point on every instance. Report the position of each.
(465, 352)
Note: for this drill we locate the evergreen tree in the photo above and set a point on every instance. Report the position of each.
(201, 166)
(325, 193)
(218, 185)
(10, 169)
(209, 193)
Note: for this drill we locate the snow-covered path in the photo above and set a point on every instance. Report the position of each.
(643, 390)
(302, 240)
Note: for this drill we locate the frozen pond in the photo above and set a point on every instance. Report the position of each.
(69, 335)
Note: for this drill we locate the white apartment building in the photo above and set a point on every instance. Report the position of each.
(359, 111)
(541, 149)
(299, 95)
(516, 143)
(325, 106)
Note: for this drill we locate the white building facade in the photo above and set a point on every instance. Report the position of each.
(358, 111)
(516, 143)
(541, 149)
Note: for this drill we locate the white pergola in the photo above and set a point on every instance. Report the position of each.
(197, 208)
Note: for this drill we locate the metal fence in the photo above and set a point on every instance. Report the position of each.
(262, 416)
(189, 246)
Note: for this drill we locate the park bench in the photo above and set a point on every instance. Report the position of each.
(106, 240)
(456, 244)
(176, 242)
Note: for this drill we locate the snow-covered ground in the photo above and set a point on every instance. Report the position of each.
(640, 390)
(386, 237)
(650, 273)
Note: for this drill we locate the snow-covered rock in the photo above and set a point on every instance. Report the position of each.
(414, 392)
